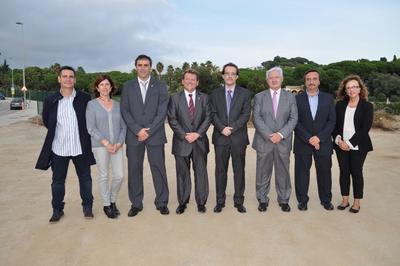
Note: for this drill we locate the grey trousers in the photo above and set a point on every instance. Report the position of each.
(280, 162)
(104, 159)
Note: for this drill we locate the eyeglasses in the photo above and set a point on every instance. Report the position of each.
(352, 88)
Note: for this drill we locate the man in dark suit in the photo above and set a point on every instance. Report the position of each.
(230, 109)
(67, 139)
(313, 139)
(189, 116)
(144, 103)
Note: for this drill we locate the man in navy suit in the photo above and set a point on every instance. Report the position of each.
(313, 139)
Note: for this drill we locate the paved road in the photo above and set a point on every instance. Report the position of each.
(8, 116)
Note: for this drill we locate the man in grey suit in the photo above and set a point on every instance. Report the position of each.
(144, 103)
(274, 117)
(230, 108)
(189, 116)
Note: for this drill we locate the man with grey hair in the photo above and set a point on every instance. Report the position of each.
(274, 117)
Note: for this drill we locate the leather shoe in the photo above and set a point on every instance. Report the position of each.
(115, 209)
(163, 210)
(284, 207)
(87, 212)
(328, 206)
(56, 216)
(180, 209)
(262, 207)
(240, 208)
(342, 208)
(109, 212)
(354, 210)
(134, 211)
(219, 207)
(201, 208)
(302, 206)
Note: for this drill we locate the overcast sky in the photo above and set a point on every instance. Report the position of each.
(104, 35)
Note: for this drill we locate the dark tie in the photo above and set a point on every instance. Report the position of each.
(228, 102)
(191, 108)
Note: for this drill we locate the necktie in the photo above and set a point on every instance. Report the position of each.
(274, 103)
(191, 108)
(228, 101)
(143, 89)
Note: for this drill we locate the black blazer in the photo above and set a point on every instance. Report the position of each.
(49, 115)
(363, 118)
(321, 127)
(238, 116)
(180, 123)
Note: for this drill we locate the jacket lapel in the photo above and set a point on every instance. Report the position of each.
(197, 108)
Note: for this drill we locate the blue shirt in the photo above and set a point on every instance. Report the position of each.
(313, 101)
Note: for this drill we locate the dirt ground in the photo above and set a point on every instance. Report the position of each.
(315, 237)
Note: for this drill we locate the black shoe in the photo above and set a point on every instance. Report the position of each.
(219, 207)
(163, 210)
(240, 208)
(115, 209)
(354, 210)
(342, 208)
(262, 207)
(134, 211)
(180, 209)
(284, 207)
(201, 208)
(56, 216)
(328, 206)
(302, 206)
(109, 212)
(88, 213)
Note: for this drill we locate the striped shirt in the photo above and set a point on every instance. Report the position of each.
(66, 140)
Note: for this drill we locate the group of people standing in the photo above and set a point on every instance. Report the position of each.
(94, 131)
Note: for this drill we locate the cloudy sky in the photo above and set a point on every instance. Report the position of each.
(103, 35)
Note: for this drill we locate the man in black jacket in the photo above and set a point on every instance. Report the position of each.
(67, 139)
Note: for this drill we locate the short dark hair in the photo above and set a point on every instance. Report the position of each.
(143, 57)
(310, 71)
(231, 65)
(98, 80)
(66, 68)
(191, 71)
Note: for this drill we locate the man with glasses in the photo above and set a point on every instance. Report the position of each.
(230, 108)
(313, 139)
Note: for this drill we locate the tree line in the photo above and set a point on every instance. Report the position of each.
(381, 76)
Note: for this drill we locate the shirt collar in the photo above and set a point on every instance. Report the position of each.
(312, 95)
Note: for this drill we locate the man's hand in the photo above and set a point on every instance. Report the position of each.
(275, 138)
(227, 131)
(314, 140)
(142, 134)
(192, 137)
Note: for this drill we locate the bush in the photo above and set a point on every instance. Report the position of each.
(380, 97)
(392, 108)
(394, 98)
(385, 121)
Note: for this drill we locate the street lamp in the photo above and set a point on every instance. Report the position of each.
(24, 89)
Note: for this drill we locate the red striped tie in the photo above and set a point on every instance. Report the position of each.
(191, 108)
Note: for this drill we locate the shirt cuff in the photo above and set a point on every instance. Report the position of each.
(337, 139)
(350, 145)
(281, 135)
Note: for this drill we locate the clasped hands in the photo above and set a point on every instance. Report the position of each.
(314, 140)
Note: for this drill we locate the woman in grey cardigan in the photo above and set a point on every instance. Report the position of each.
(107, 130)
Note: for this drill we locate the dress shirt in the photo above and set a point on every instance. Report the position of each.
(348, 126)
(193, 97)
(313, 101)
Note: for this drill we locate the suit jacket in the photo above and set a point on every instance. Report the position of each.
(363, 118)
(266, 123)
(322, 126)
(238, 116)
(151, 114)
(49, 116)
(180, 122)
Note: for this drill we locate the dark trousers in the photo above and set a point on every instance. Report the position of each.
(222, 154)
(59, 166)
(351, 163)
(156, 157)
(184, 183)
(323, 165)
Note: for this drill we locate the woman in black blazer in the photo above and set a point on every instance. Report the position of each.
(354, 116)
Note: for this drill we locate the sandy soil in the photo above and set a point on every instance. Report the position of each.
(315, 237)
